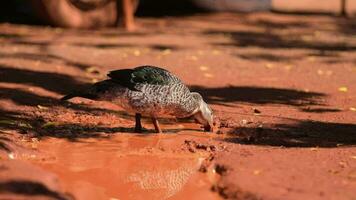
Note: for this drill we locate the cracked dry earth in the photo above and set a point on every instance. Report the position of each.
(282, 88)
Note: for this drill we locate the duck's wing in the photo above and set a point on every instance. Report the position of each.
(149, 75)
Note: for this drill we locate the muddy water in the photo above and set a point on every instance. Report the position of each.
(127, 166)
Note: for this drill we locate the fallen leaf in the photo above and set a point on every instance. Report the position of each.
(208, 75)
(49, 125)
(353, 157)
(353, 109)
(216, 52)
(92, 70)
(42, 107)
(257, 172)
(203, 68)
(269, 65)
(333, 171)
(342, 164)
(343, 89)
(166, 52)
(25, 125)
(352, 175)
(7, 122)
(137, 52)
(11, 156)
(320, 72)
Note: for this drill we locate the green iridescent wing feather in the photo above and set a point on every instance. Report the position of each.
(140, 75)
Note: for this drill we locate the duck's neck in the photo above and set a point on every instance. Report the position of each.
(191, 105)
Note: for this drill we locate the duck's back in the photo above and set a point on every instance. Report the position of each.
(153, 91)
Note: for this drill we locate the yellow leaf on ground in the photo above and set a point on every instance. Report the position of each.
(166, 52)
(49, 125)
(42, 107)
(7, 122)
(203, 68)
(269, 65)
(257, 172)
(137, 53)
(208, 75)
(343, 89)
(216, 52)
(92, 69)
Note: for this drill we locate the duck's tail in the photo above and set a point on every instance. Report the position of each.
(94, 92)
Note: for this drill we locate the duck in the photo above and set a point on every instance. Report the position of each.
(149, 91)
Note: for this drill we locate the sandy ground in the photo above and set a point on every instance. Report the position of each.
(282, 88)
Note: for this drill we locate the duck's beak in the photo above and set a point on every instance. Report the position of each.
(209, 128)
(207, 122)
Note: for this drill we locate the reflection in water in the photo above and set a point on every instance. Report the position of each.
(170, 180)
(124, 166)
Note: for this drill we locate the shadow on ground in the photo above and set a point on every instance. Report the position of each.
(30, 189)
(259, 95)
(272, 40)
(299, 134)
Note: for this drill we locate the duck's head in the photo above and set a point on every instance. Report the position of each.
(203, 114)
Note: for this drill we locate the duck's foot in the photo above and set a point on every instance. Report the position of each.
(138, 125)
(156, 124)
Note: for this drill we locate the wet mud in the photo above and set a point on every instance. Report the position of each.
(282, 88)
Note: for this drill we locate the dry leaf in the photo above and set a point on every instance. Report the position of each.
(11, 156)
(353, 109)
(343, 89)
(320, 72)
(92, 69)
(257, 172)
(269, 65)
(216, 52)
(49, 125)
(137, 53)
(166, 52)
(42, 107)
(7, 122)
(203, 68)
(208, 75)
(352, 175)
(25, 125)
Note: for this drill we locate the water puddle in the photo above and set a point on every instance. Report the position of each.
(126, 166)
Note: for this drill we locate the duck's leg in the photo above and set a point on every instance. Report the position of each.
(156, 124)
(138, 126)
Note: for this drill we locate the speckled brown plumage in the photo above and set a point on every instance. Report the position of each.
(147, 90)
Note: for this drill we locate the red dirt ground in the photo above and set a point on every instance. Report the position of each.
(282, 88)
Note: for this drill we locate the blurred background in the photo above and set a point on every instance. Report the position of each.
(98, 13)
